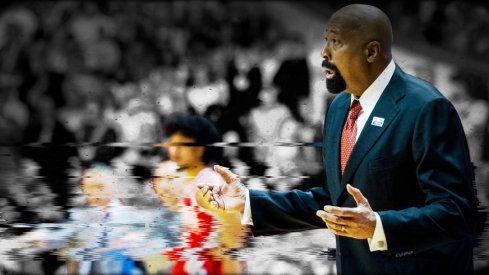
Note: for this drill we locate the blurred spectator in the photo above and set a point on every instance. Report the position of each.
(474, 113)
(36, 201)
(292, 77)
(97, 136)
(283, 157)
(310, 133)
(263, 125)
(191, 150)
(204, 91)
(244, 81)
(50, 144)
(14, 114)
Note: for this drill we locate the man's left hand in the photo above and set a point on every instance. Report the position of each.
(358, 222)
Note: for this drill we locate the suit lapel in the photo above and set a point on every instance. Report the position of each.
(335, 137)
(385, 108)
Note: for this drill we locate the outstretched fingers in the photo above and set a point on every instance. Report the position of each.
(205, 197)
(218, 197)
(211, 196)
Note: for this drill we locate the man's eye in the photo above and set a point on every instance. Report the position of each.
(332, 41)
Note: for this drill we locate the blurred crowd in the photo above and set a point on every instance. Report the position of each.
(457, 26)
(87, 83)
(84, 82)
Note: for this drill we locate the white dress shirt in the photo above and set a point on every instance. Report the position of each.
(368, 100)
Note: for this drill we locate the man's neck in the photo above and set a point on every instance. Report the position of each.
(372, 75)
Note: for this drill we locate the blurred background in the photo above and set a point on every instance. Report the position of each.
(85, 82)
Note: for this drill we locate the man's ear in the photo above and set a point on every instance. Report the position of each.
(372, 51)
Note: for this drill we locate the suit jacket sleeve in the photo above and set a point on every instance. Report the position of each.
(281, 212)
(445, 175)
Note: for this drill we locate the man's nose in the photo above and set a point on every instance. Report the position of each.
(325, 53)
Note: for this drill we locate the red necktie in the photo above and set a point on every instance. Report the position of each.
(349, 134)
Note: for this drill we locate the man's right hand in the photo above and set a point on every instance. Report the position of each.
(226, 196)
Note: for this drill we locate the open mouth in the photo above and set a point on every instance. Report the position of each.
(329, 72)
(329, 69)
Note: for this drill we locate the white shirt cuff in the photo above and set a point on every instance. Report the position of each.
(246, 216)
(378, 241)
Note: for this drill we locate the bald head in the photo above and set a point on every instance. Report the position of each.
(365, 23)
(357, 49)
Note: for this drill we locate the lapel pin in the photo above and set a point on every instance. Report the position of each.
(378, 121)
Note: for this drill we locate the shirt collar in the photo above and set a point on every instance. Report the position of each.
(372, 94)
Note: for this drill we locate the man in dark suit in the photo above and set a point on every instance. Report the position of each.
(388, 137)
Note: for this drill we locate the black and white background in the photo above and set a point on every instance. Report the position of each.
(88, 81)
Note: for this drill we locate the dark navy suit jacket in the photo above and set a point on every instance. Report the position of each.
(416, 173)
